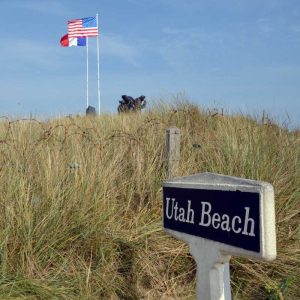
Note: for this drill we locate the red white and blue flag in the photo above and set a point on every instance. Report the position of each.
(66, 41)
(85, 27)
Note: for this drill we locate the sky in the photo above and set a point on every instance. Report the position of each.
(239, 55)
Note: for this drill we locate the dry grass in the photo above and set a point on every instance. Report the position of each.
(80, 201)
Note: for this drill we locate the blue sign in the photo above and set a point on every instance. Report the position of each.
(229, 217)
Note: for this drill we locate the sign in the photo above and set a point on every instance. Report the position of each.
(219, 216)
(229, 217)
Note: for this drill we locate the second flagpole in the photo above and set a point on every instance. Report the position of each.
(87, 72)
(98, 74)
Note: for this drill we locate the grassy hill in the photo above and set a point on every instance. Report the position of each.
(81, 198)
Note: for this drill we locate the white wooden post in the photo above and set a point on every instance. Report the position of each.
(173, 150)
(213, 279)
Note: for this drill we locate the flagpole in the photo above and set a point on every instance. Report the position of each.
(99, 110)
(87, 72)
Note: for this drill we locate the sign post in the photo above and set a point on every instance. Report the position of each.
(220, 216)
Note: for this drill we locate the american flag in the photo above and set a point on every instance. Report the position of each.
(85, 27)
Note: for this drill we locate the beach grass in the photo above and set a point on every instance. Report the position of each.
(81, 203)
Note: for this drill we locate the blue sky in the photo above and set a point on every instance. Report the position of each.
(241, 55)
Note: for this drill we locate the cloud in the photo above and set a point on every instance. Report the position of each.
(116, 46)
(295, 28)
(184, 48)
(172, 31)
(29, 54)
(264, 25)
(188, 5)
(20, 53)
(45, 7)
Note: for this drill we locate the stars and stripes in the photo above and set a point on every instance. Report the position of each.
(85, 27)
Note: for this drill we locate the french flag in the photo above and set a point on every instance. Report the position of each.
(66, 41)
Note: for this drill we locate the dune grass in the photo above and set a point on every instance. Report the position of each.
(81, 204)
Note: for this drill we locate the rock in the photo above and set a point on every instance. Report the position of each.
(90, 111)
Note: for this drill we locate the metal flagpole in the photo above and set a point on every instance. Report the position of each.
(87, 72)
(98, 65)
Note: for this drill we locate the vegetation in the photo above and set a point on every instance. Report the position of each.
(81, 198)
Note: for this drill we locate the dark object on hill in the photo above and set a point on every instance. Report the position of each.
(128, 104)
(91, 111)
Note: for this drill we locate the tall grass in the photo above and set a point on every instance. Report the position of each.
(81, 198)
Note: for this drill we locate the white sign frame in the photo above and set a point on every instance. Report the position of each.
(212, 257)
